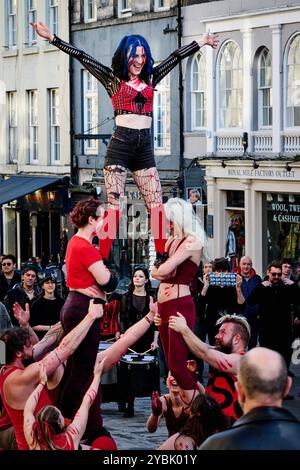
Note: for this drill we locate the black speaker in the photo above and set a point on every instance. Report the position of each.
(245, 141)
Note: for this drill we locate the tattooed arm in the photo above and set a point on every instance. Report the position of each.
(30, 406)
(51, 339)
(77, 427)
(23, 380)
(217, 359)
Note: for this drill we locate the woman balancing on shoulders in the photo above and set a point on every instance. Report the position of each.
(87, 277)
(177, 273)
(130, 83)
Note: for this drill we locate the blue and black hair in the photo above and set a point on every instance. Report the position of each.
(120, 59)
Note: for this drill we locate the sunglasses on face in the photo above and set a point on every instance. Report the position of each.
(6, 264)
(276, 274)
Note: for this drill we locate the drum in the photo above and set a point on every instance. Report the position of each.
(111, 376)
(139, 375)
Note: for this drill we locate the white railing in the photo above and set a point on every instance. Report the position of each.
(263, 143)
(230, 144)
(291, 143)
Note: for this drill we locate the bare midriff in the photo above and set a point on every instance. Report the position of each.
(172, 291)
(92, 291)
(134, 121)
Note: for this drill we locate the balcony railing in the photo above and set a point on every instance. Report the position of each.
(291, 143)
(230, 144)
(262, 142)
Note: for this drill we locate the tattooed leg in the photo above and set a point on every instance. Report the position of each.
(115, 178)
(148, 183)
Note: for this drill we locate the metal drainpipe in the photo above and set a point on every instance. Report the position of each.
(73, 166)
(181, 113)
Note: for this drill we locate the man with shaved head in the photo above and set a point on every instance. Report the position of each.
(250, 281)
(262, 383)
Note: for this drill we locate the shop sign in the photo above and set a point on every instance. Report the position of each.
(253, 173)
(285, 212)
(263, 173)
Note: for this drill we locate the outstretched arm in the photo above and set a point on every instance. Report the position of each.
(78, 425)
(72, 340)
(55, 358)
(216, 359)
(158, 407)
(101, 72)
(161, 70)
(114, 353)
(30, 406)
(51, 339)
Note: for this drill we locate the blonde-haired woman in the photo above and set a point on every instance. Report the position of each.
(185, 247)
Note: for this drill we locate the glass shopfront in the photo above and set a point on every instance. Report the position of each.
(235, 221)
(281, 228)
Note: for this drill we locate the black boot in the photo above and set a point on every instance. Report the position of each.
(122, 406)
(129, 412)
(160, 259)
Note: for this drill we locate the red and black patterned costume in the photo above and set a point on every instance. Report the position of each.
(130, 148)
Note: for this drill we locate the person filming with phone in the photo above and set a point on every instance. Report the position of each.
(223, 295)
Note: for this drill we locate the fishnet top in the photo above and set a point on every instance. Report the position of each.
(112, 83)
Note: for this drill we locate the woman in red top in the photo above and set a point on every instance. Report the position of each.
(87, 277)
(47, 430)
(177, 273)
(130, 84)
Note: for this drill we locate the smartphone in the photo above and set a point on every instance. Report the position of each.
(222, 279)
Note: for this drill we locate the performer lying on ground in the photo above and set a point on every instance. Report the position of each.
(130, 83)
(169, 406)
(205, 419)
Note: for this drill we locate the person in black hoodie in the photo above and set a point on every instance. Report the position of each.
(250, 281)
(8, 277)
(45, 309)
(23, 293)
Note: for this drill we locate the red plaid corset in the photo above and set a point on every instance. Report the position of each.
(127, 100)
(110, 322)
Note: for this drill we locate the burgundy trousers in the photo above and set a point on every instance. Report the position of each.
(80, 366)
(175, 348)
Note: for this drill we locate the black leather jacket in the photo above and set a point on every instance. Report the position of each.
(263, 428)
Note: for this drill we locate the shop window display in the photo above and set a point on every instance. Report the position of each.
(282, 228)
(235, 242)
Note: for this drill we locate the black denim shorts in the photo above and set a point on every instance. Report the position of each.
(130, 148)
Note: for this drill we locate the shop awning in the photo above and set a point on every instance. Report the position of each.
(18, 186)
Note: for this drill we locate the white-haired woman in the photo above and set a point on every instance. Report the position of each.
(185, 248)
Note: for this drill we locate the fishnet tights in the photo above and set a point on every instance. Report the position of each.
(147, 180)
